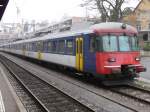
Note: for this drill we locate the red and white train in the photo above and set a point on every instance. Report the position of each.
(107, 50)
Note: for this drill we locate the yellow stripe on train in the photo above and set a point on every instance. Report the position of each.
(39, 55)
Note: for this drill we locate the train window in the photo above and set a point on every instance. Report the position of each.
(92, 44)
(109, 43)
(61, 46)
(45, 46)
(15, 46)
(39, 46)
(27, 46)
(18, 46)
(49, 46)
(34, 48)
(69, 47)
(54, 46)
(124, 43)
(23, 47)
(134, 43)
(30, 46)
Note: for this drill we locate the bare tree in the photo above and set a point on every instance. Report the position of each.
(110, 10)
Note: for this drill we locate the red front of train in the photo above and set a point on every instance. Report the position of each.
(118, 52)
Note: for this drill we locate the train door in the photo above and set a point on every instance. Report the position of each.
(79, 53)
(39, 50)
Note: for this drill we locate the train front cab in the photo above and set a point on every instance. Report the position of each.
(117, 54)
(109, 54)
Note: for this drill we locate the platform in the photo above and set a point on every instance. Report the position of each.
(9, 102)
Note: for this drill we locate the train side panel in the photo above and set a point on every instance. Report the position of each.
(89, 55)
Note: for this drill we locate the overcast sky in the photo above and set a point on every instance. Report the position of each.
(51, 10)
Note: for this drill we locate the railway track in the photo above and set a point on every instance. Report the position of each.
(45, 97)
(105, 93)
(137, 93)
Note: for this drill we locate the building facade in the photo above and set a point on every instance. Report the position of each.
(140, 18)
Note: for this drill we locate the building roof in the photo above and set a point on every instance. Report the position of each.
(137, 5)
(3, 4)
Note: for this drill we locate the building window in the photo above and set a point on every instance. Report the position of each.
(145, 37)
(138, 26)
(149, 26)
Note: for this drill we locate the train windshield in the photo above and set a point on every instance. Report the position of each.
(134, 44)
(112, 43)
(124, 43)
(109, 43)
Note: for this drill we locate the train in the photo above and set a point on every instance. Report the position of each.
(107, 50)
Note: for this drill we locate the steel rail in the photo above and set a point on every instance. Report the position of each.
(120, 90)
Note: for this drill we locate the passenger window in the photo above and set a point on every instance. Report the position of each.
(40, 46)
(54, 46)
(44, 46)
(69, 47)
(29, 46)
(92, 44)
(37, 46)
(49, 46)
(61, 46)
(32, 46)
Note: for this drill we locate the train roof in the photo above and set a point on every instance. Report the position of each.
(55, 35)
(107, 25)
(113, 25)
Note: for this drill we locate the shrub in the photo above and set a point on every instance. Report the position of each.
(146, 46)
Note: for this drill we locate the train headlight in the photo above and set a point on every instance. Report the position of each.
(111, 59)
(137, 58)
